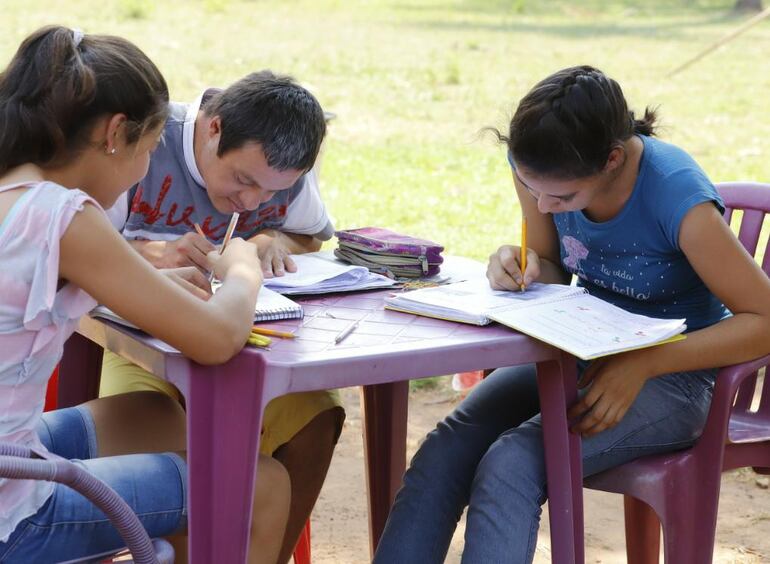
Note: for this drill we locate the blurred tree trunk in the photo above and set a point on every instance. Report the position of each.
(748, 5)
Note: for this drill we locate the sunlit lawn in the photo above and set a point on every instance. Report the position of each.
(414, 82)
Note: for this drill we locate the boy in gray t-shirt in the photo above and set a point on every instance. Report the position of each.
(249, 148)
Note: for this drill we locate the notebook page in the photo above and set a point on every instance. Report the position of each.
(588, 327)
(312, 270)
(319, 273)
(477, 297)
(273, 306)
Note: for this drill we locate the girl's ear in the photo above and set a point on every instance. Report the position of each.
(615, 159)
(112, 130)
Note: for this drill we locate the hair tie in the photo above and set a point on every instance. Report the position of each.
(77, 37)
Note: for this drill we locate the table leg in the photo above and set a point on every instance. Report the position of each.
(384, 414)
(557, 385)
(79, 371)
(224, 420)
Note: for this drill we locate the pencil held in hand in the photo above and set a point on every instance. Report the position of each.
(229, 232)
(523, 261)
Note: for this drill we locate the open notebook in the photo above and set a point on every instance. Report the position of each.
(271, 306)
(321, 273)
(564, 316)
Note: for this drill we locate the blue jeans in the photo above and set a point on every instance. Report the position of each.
(68, 526)
(488, 455)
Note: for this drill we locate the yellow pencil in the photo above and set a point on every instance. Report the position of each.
(258, 340)
(272, 332)
(523, 250)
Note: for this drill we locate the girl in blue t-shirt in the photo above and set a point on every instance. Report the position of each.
(638, 223)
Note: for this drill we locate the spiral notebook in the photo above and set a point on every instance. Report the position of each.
(567, 317)
(271, 306)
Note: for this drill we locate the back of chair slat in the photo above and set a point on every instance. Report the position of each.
(751, 226)
(753, 199)
(745, 394)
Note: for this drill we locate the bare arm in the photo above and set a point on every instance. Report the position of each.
(97, 259)
(733, 276)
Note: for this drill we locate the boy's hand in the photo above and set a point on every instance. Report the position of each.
(189, 250)
(191, 279)
(614, 381)
(504, 272)
(275, 256)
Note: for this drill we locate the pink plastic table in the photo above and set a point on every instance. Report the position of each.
(225, 405)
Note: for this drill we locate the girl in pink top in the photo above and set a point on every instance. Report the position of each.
(80, 116)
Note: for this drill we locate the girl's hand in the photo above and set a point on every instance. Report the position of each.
(238, 253)
(191, 279)
(504, 271)
(615, 382)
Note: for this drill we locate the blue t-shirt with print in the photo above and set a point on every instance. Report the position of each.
(634, 260)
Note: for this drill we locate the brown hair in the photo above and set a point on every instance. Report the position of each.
(566, 126)
(57, 85)
(274, 111)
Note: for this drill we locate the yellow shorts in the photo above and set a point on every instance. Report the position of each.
(284, 416)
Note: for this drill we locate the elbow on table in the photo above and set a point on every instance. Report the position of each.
(217, 348)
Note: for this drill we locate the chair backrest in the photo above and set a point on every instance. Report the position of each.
(753, 200)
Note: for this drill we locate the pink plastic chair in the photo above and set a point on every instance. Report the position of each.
(682, 488)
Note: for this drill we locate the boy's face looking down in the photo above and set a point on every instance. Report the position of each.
(240, 179)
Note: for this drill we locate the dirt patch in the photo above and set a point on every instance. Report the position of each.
(339, 525)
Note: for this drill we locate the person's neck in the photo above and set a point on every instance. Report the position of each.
(68, 176)
(609, 201)
(200, 127)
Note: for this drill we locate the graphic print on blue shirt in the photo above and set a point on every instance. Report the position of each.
(634, 260)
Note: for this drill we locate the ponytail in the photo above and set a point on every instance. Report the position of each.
(60, 82)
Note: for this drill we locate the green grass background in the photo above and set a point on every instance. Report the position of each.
(413, 82)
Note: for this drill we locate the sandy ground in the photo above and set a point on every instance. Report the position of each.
(339, 524)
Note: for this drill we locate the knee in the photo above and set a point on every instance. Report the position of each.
(273, 485)
(514, 464)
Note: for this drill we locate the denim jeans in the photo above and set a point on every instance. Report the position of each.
(68, 526)
(488, 455)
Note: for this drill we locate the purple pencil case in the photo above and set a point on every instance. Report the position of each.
(389, 253)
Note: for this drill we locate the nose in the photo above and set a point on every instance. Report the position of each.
(251, 199)
(545, 203)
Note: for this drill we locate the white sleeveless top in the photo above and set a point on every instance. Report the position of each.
(35, 321)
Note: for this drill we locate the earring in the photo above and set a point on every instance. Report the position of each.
(109, 151)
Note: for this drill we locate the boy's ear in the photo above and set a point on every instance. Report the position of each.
(215, 126)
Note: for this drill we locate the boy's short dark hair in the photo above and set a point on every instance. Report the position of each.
(274, 111)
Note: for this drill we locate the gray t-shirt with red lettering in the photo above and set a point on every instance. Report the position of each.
(172, 197)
